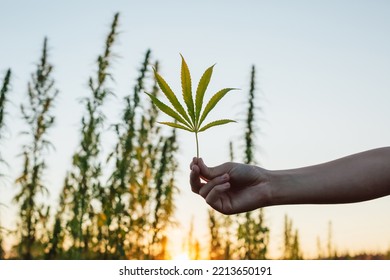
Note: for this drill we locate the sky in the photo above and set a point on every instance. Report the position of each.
(322, 74)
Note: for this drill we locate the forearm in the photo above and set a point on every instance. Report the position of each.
(354, 178)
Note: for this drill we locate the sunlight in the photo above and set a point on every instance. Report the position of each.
(182, 256)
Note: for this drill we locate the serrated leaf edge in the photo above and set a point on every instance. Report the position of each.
(200, 92)
(213, 102)
(176, 125)
(168, 92)
(186, 86)
(215, 123)
(168, 110)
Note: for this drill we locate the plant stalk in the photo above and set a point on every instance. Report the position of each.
(197, 144)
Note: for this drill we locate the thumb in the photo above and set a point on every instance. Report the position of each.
(210, 173)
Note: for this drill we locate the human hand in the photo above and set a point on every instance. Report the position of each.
(230, 188)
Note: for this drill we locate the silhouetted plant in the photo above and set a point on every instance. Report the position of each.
(39, 119)
(291, 248)
(191, 243)
(142, 185)
(163, 197)
(152, 185)
(3, 99)
(116, 204)
(2, 252)
(55, 248)
(83, 186)
(216, 251)
(330, 246)
(252, 233)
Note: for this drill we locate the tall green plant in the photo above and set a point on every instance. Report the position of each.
(250, 122)
(2, 251)
(83, 185)
(163, 197)
(215, 250)
(126, 217)
(330, 246)
(3, 100)
(120, 198)
(291, 248)
(116, 204)
(152, 185)
(191, 118)
(39, 119)
(252, 232)
(191, 244)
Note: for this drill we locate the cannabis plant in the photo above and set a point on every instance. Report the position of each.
(192, 119)
(291, 248)
(3, 100)
(253, 234)
(37, 113)
(83, 186)
(3, 97)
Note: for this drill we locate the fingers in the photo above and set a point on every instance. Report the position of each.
(211, 172)
(193, 162)
(216, 182)
(195, 182)
(214, 176)
(219, 200)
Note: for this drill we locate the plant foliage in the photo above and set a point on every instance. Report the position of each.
(3, 97)
(39, 119)
(192, 118)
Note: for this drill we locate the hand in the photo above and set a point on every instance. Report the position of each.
(230, 188)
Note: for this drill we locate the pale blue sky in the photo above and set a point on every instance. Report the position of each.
(323, 71)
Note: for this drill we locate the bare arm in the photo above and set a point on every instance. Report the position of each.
(354, 178)
(233, 187)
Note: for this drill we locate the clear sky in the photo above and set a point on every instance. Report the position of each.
(323, 84)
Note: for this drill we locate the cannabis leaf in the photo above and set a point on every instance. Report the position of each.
(192, 117)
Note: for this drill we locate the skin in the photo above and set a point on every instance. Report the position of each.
(232, 188)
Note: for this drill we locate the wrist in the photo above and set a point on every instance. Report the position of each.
(266, 181)
(280, 187)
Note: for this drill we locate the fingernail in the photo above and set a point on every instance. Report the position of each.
(225, 176)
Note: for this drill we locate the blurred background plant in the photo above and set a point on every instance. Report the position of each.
(5, 86)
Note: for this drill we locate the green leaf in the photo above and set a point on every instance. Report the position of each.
(176, 125)
(167, 110)
(200, 91)
(191, 117)
(215, 123)
(171, 96)
(187, 90)
(213, 101)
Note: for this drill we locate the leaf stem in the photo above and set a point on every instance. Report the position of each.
(197, 144)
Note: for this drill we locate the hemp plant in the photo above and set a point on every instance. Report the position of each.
(191, 119)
